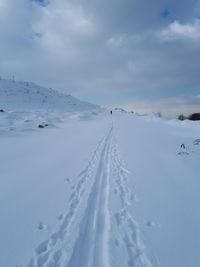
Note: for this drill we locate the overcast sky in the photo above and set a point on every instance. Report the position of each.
(139, 54)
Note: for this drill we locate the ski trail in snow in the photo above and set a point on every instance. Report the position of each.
(92, 246)
(128, 228)
(50, 252)
(57, 249)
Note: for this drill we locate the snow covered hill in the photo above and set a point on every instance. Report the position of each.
(29, 96)
(28, 105)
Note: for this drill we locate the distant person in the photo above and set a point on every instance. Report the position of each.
(111, 112)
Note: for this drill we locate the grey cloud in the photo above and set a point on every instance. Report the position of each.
(109, 51)
(133, 16)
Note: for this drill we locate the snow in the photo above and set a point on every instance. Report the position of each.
(27, 105)
(99, 190)
(38, 173)
(166, 185)
(22, 96)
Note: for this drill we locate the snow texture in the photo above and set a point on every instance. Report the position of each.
(26, 105)
(101, 191)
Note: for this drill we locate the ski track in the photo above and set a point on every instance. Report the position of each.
(128, 228)
(92, 246)
(90, 215)
(49, 252)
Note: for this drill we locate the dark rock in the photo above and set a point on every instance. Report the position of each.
(194, 117)
(1, 110)
(41, 126)
(181, 117)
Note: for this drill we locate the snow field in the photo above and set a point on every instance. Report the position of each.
(133, 203)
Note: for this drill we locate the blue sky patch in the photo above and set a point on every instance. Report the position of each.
(165, 13)
(41, 2)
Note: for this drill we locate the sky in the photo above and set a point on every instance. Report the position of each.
(137, 54)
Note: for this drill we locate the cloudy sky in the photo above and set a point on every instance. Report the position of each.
(139, 54)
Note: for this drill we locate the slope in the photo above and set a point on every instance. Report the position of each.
(27, 105)
(27, 96)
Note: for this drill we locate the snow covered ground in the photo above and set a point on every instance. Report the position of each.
(101, 191)
(25, 105)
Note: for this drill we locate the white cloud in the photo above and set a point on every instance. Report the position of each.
(53, 38)
(125, 41)
(63, 27)
(176, 31)
(118, 41)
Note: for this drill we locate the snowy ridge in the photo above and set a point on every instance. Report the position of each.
(29, 96)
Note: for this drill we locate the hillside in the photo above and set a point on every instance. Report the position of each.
(28, 96)
(28, 105)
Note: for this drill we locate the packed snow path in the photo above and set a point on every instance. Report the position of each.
(103, 179)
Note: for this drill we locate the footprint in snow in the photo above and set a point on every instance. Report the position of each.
(116, 242)
(60, 217)
(115, 191)
(183, 153)
(41, 226)
(133, 197)
(196, 142)
(150, 223)
(184, 149)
